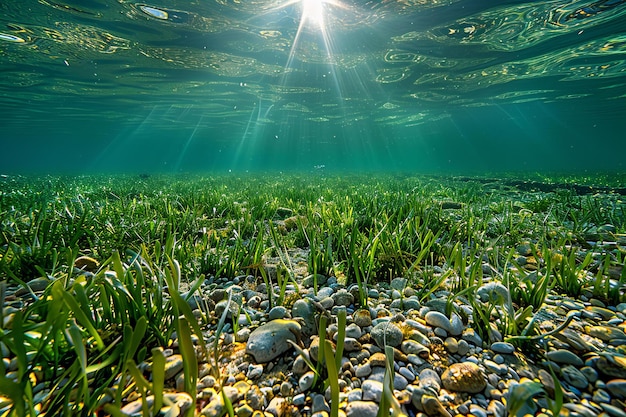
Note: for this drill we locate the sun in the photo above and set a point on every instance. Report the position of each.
(313, 13)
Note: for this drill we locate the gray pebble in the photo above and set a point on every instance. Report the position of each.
(319, 404)
(442, 333)
(472, 337)
(494, 367)
(463, 348)
(503, 347)
(298, 399)
(362, 409)
(451, 344)
(478, 411)
(355, 395)
(601, 396)
(278, 312)
(353, 330)
(327, 303)
(254, 371)
(437, 319)
(363, 370)
(398, 283)
(324, 292)
(387, 334)
(456, 325)
(565, 357)
(399, 382)
(306, 381)
(350, 344)
(406, 373)
(574, 377)
(617, 387)
(372, 390)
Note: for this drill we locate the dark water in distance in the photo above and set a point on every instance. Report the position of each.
(216, 85)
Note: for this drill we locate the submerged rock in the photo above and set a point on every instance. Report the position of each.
(271, 340)
(464, 377)
(388, 334)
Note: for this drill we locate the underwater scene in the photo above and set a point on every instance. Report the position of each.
(316, 208)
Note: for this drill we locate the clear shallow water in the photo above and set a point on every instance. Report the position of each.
(428, 86)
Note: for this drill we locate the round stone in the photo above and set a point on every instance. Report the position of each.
(173, 365)
(398, 283)
(362, 409)
(278, 312)
(362, 318)
(387, 334)
(617, 387)
(372, 390)
(271, 340)
(464, 377)
(429, 381)
(353, 330)
(437, 319)
(574, 377)
(304, 309)
(411, 346)
(306, 381)
(433, 407)
(363, 370)
(463, 348)
(343, 298)
(564, 357)
(503, 347)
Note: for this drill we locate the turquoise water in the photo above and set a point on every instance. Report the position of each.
(315, 85)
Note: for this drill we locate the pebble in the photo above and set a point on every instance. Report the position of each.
(354, 331)
(278, 312)
(601, 396)
(463, 348)
(343, 298)
(254, 371)
(387, 334)
(411, 346)
(464, 377)
(503, 347)
(319, 404)
(456, 325)
(372, 390)
(270, 340)
(406, 373)
(451, 344)
(433, 407)
(437, 319)
(430, 381)
(472, 337)
(362, 318)
(276, 407)
(362, 409)
(363, 370)
(574, 377)
(306, 381)
(182, 400)
(564, 357)
(617, 387)
(173, 366)
(494, 367)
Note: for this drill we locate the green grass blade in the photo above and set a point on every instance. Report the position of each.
(333, 378)
(158, 378)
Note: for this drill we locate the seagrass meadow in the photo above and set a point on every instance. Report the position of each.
(312, 295)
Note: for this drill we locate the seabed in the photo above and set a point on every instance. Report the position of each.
(313, 295)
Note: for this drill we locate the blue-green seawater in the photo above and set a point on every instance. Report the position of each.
(446, 86)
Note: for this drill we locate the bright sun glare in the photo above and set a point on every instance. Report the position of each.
(313, 12)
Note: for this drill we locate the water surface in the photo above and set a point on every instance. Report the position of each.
(412, 85)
